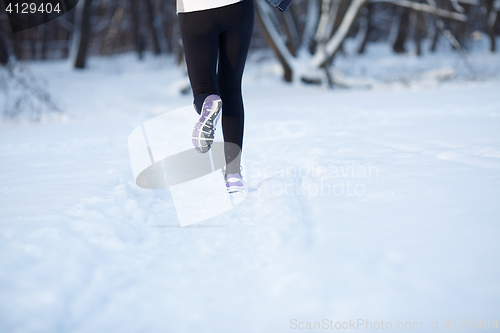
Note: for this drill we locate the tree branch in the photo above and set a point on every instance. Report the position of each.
(274, 39)
(332, 46)
(426, 8)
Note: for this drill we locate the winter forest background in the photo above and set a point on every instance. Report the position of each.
(371, 155)
(306, 39)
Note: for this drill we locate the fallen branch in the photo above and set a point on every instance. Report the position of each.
(426, 8)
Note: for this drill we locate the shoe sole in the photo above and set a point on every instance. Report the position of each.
(203, 134)
(236, 189)
(235, 185)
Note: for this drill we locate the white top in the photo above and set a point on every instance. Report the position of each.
(186, 6)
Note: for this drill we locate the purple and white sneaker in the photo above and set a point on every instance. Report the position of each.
(204, 129)
(234, 183)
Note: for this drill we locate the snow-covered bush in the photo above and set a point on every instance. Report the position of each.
(23, 96)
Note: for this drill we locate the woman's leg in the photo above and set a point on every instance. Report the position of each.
(234, 42)
(200, 38)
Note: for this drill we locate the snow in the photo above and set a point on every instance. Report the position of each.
(377, 204)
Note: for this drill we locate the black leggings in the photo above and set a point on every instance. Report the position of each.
(216, 43)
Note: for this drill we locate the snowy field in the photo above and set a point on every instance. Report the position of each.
(377, 204)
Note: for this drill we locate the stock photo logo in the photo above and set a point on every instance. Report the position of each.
(26, 14)
(163, 158)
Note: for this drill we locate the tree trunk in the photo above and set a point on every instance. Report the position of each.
(312, 18)
(293, 37)
(365, 30)
(493, 22)
(435, 39)
(342, 9)
(82, 32)
(46, 29)
(114, 29)
(138, 41)
(152, 27)
(419, 29)
(4, 51)
(273, 40)
(325, 56)
(399, 43)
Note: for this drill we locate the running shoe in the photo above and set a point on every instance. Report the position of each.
(234, 183)
(204, 129)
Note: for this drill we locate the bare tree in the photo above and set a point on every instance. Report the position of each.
(493, 7)
(152, 23)
(364, 28)
(329, 23)
(4, 51)
(328, 40)
(81, 34)
(305, 39)
(137, 37)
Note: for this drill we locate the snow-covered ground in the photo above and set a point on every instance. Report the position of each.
(373, 205)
